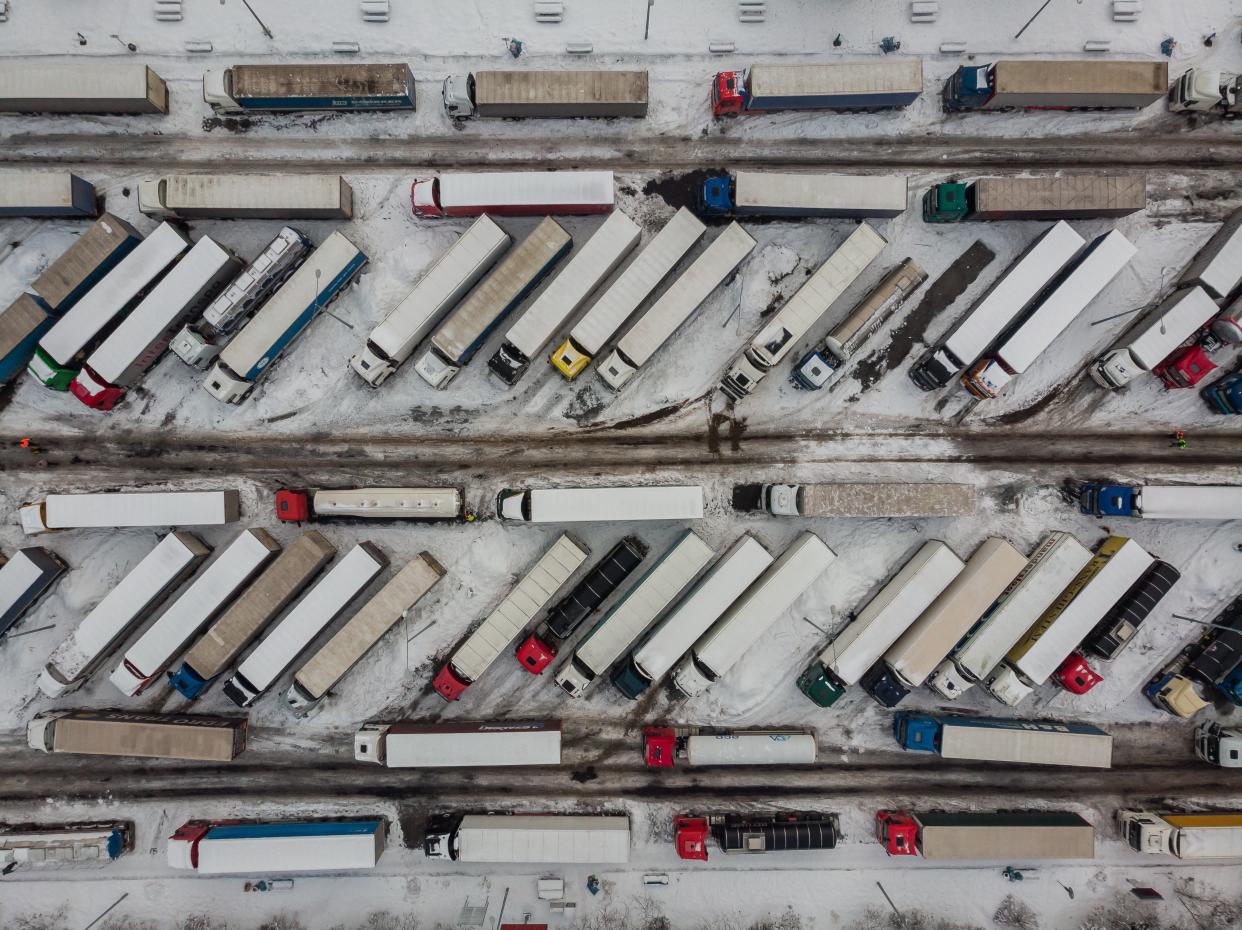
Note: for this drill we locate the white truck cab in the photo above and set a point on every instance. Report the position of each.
(372, 367)
(193, 348)
(1145, 832)
(1201, 90)
(435, 370)
(218, 91)
(948, 681)
(689, 679)
(1005, 685)
(151, 196)
(1218, 745)
(425, 197)
(571, 680)
(224, 386)
(1116, 369)
(458, 94)
(781, 499)
(39, 730)
(33, 518)
(369, 743)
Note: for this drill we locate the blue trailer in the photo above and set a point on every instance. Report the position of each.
(1032, 742)
(245, 88)
(222, 847)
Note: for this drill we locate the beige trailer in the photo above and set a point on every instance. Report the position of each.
(121, 733)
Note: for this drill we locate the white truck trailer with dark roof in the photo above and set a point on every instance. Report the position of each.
(546, 838)
(545, 94)
(790, 194)
(111, 509)
(413, 744)
(1217, 268)
(248, 196)
(1146, 344)
(34, 87)
(46, 193)
(24, 578)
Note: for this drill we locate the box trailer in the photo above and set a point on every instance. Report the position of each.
(1021, 742)
(85, 263)
(206, 597)
(1195, 835)
(312, 614)
(750, 616)
(297, 505)
(245, 88)
(684, 296)
(664, 747)
(246, 618)
(112, 509)
(46, 193)
(878, 625)
(560, 301)
(691, 617)
(546, 94)
(1145, 345)
(886, 83)
(599, 505)
(24, 578)
(803, 310)
(1102, 84)
(513, 193)
(865, 500)
(240, 847)
(131, 601)
(248, 197)
(755, 833)
(393, 602)
(1217, 267)
(411, 744)
(1048, 197)
(33, 87)
(1010, 836)
(462, 333)
(22, 324)
(548, 838)
(633, 614)
(152, 736)
(789, 194)
(627, 293)
(1162, 501)
(1117, 629)
(438, 291)
(55, 845)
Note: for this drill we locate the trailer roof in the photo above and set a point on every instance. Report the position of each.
(1168, 325)
(18, 321)
(108, 509)
(469, 746)
(874, 194)
(36, 189)
(78, 263)
(646, 502)
(1218, 265)
(849, 77)
(544, 838)
(1062, 193)
(321, 80)
(254, 191)
(32, 80)
(526, 188)
(1192, 502)
(1079, 77)
(552, 87)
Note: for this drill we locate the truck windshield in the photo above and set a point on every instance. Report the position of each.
(1134, 835)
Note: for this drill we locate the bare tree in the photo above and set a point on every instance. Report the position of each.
(1012, 912)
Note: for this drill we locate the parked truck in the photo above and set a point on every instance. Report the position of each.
(1218, 745)
(133, 598)
(111, 509)
(1207, 90)
(22, 324)
(664, 317)
(599, 505)
(1009, 836)
(1020, 742)
(513, 193)
(802, 311)
(664, 747)
(753, 833)
(819, 366)
(459, 745)
(462, 333)
(24, 578)
(85, 263)
(248, 196)
(1217, 267)
(1205, 835)
(298, 505)
(548, 838)
(749, 617)
(241, 847)
(770, 193)
(1204, 669)
(1145, 345)
(1117, 629)
(519, 607)
(888, 83)
(28, 86)
(633, 286)
(55, 845)
(285, 87)
(586, 271)
(124, 733)
(545, 94)
(1161, 501)
(870, 499)
(47, 194)
(1107, 84)
(1047, 197)
(1000, 305)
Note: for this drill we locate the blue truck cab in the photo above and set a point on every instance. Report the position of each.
(969, 88)
(1107, 500)
(1225, 395)
(1230, 687)
(918, 732)
(715, 195)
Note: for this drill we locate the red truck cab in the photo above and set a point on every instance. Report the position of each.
(692, 833)
(425, 197)
(1076, 676)
(293, 505)
(535, 655)
(1185, 368)
(729, 93)
(448, 685)
(659, 747)
(94, 391)
(897, 832)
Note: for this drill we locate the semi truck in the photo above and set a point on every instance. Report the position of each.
(788, 194)
(1207, 90)
(784, 330)
(1145, 345)
(1117, 565)
(47, 194)
(1161, 502)
(664, 747)
(1009, 836)
(924, 645)
(1081, 282)
(312, 614)
(691, 617)
(412, 744)
(32, 87)
(599, 505)
(1199, 835)
(248, 197)
(392, 603)
(513, 193)
(750, 617)
(132, 599)
(112, 509)
(590, 266)
(1047, 197)
(753, 833)
(438, 291)
(545, 94)
(22, 325)
(24, 578)
(55, 845)
(1217, 267)
(870, 499)
(124, 733)
(298, 505)
(878, 625)
(888, 83)
(266, 336)
(633, 614)
(1218, 745)
(139, 341)
(1056, 85)
(549, 838)
(529, 596)
(226, 638)
(247, 88)
(1000, 305)
(1117, 629)
(1021, 742)
(199, 342)
(76, 331)
(819, 366)
(630, 289)
(462, 333)
(664, 317)
(239, 847)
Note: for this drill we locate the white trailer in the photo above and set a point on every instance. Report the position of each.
(25, 578)
(414, 745)
(529, 596)
(1000, 305)
(771, 193)
(239, 847)
(546, 94)
(550, 838)
(664, 747)
(633, 614)
(1187, 502)
(1117, 565)
(1218, 266)
(437, 292)
(802, 311)
(124, 607)
(52, 87)
(1018, 742)
(513, 193)
(46, 193)
(675, 306)
(323, 603)
(248, 196)
(633, 286)
(753, 614)
(1050, 568)
(600, 505)
(206, 597)
(1058, 307)
(1194, 835)
(350, 643)
(1146, 344)
(111, 509)
(711, 596)
(560, 300)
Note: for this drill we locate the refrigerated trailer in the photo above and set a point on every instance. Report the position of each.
(410, 744)
(548, 94)
(869, 499)
(111, 509)
(550, 838)
(22, 325)
(133, 599)
(1011, 836)
(684, 296)
(771, 193)
(248, 196)
(664, 747)
(38, 845)
(1145, 345)
(1117, 629)
(1217, 267)
(1162, 501)
(513, 193)
(297, 505)
(1021, 742)
(27, 575)
(243, 88)
(598, 505)
(31, 87)
(1102, 84)
(229, 847)
(462, 333)
(124, 733)
(438, 291)
(46, 193)
(1192, 835)
(751, 833)
(1054, 197)
(851, 85)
